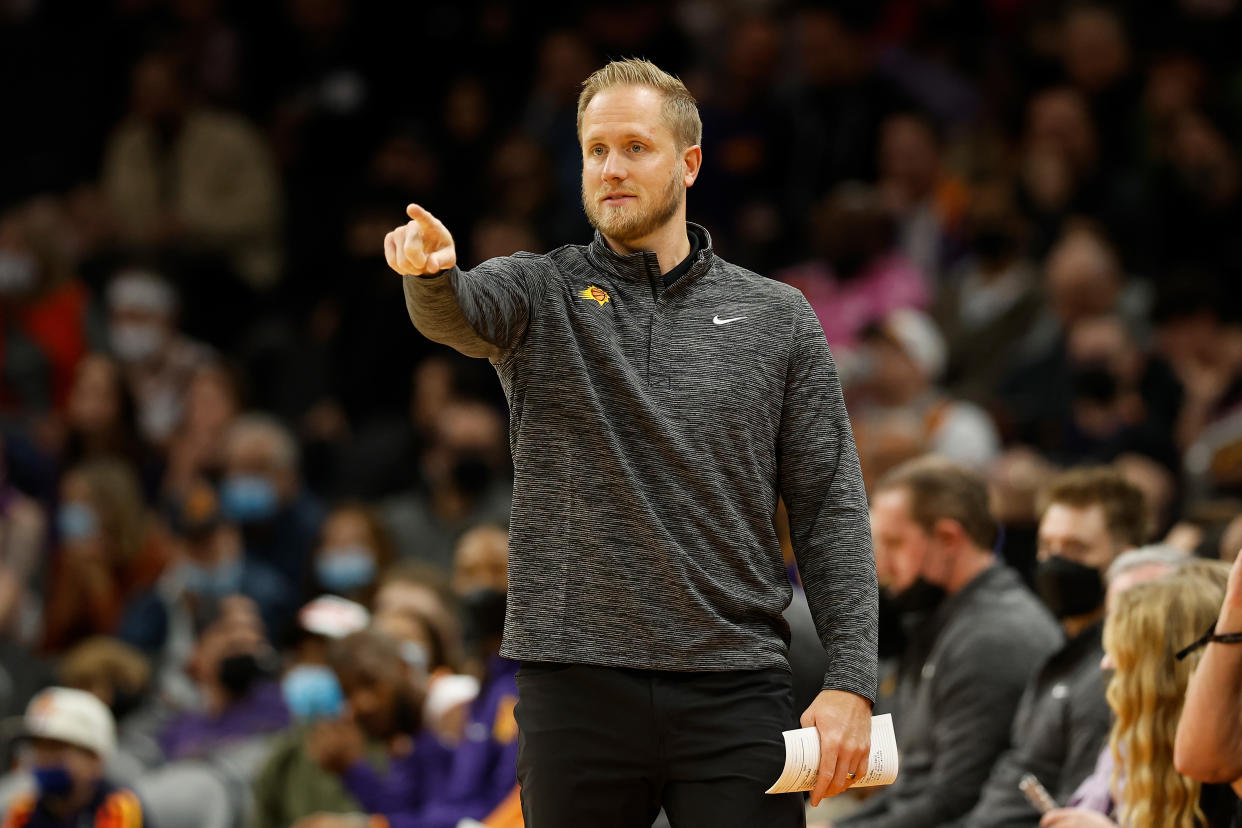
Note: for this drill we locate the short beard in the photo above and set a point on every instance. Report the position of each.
(633, 226)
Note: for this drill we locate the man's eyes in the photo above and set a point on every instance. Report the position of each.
(598, 151)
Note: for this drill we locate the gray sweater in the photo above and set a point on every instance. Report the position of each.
(961, 677)
(652, 432)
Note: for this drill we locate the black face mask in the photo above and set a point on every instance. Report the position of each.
(920, 596)
(892, 639)
(472, 475)
(238, 673)
(1068, 588)
(992, 244)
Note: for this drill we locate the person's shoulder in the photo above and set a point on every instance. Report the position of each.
(120, 808)
(1009, 617)
(20, 811)
(755, 283)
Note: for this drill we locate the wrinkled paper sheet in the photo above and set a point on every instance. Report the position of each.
(802, 758)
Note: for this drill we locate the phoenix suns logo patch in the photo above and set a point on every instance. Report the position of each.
(596, 294)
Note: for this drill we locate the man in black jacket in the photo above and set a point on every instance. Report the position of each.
(978, 637)
(1088, 517)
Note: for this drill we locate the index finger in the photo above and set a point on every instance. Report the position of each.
(827, 766)
(422, 216)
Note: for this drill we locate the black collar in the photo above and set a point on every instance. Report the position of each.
(644, 265)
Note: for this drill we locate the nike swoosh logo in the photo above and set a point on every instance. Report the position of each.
(717, 320)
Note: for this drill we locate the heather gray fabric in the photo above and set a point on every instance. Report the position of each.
(652, 432)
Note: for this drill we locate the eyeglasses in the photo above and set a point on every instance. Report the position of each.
(1207, 638)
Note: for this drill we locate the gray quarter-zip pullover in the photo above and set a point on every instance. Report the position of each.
(652, 431)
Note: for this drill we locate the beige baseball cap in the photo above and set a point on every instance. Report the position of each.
(72, 716)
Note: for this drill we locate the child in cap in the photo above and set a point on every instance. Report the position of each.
(70, 734)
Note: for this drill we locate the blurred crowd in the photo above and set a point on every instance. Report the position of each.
(1016, 219)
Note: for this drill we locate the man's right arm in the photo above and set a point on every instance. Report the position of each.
(482, 313)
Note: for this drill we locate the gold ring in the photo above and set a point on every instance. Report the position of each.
(850, 775)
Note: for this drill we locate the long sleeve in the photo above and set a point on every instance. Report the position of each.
(978, 686)
(483, 312)
(822, 486)
(400, 791)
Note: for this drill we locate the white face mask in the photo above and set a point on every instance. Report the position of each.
(18, 272)
(136, 341)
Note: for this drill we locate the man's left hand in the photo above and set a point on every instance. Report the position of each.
(843, 720)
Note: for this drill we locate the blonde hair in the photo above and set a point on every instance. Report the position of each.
(680, 111)
(1148, 625)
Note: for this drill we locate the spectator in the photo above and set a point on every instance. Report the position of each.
(120, 677)
(240, 705)
(433, 659)
(899, 413)
(992, 299)
(928, 200)
(71, 736)
(263, 493)
(109, 552)
(158, 361)
(465, 484)
(42, 309)
(481, 560)
(292, 785)
(196, 450)
(353, 549)
(1146, 627)
(22, 566)
(208, 565)
(484, 765)
(980, 637)
(421, 591)
(193, 180)
(101, 416)
(859, 276)
(1089, 517)
(384, 706)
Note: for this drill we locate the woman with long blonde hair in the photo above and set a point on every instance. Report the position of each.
(1146, 627)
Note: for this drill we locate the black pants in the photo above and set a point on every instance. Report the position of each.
(604, 747)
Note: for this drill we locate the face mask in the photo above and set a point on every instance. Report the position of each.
(77, 522)
(921, 596)
(345, 569)
(992, 244)
(472, 475)
(135, 342)
(1068, 588)
(216, 582)
(311, 691)
(249, 498)
(238, 673)
(53, 781)
(18, 273)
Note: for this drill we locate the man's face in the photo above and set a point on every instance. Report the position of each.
(83, 767)
(481, 562)
(1076, 533)
(634, 178)
(373, 698)
(901, 544)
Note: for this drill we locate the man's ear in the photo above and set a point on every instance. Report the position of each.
(692, 157)
(948, 533)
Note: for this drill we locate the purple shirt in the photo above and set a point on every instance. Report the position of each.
(1095, 792)
(259, 712)
(484, 765)
(408, 784)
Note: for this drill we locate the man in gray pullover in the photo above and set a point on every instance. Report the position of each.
(661, 401)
